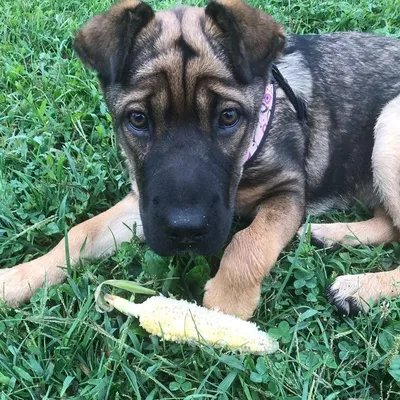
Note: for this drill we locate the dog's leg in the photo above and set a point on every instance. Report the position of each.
(352, 293)
(95, 238)
(386, 159)
(374, 231)
(386, 171)
(252, 253)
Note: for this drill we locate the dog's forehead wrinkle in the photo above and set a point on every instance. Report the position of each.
(192, 31)
(186, 67)
(241, 94)
(170, 32)
(118, 97)
(183, 50)
(207, 62)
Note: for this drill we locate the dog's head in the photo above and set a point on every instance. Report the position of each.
(184, 88)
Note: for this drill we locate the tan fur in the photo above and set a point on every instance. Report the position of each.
(251, 255)
(169, 62)
(386, 159)
(292, 68)
(97, 237)
(249, 197)
(363, 288)
(318, 154)
(372, 232)
(206, 64)
(246, 197)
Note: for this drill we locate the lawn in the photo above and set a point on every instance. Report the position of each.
(59, 165)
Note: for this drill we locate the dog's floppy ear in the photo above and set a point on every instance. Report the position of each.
(254, 38)
(104, 42)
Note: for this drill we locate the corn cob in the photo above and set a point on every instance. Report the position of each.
(181, 321)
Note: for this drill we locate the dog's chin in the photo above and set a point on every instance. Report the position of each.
(165, 247)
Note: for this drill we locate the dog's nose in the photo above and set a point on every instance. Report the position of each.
(186, 228)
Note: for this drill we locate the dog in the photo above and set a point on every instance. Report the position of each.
(218, 112)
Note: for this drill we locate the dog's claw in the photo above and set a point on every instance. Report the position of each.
(354, 306)
(321, 244)
(330, 293)
(317, 242)
(344, 294)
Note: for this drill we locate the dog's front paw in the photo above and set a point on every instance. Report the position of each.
(18, 284)
(240, 302)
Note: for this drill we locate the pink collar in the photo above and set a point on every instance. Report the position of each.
(264, 124)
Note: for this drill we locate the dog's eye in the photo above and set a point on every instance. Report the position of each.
(228, 118)
(138, 121)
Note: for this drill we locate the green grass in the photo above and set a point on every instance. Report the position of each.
(59, 166)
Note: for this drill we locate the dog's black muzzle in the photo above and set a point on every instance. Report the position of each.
(185, 193)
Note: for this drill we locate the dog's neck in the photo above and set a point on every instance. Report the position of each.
(264, 123)
(267, 113)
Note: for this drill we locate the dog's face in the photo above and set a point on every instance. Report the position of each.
(184, 88)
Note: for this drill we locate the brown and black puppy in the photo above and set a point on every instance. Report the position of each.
(185, 90)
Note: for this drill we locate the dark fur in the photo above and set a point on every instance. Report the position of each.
(352, 75)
